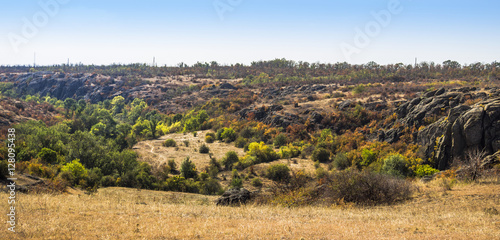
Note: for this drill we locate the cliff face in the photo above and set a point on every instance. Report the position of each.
(464, 128)
(79, 86)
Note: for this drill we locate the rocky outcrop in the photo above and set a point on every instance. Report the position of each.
(272, 115)
(465, 128)
(235, 196)
(460, 127)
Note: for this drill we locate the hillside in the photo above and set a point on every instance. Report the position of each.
(349, 149)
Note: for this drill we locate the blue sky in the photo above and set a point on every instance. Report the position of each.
(242, 31)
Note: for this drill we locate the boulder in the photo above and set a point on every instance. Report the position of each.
(234, 197)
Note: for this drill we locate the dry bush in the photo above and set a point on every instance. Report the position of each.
(470, 167)
(366, 188)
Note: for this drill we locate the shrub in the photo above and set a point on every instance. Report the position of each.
(425, 170)
(471, 167)
(188, 169)
(4, 169)
(240, 142)
(278, 172)
(236, 183)
(230, 159)
(218, 134)
(210, 187)
(368, 157)
(395, 165)
(261, 152)
(256, 182)
(280, 140)
(289, 151)
(108, 181)
(180, 184)
(74, 171)
(204, 149)
(321, 173)
(170, 143)
(172, 165)
(94, 177)
(340, 161)
(48, 155)
(209, 139)
(186, 143)
(367, 188)
(228, 135)
(321, 155)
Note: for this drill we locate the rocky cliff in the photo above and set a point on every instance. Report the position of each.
(463, 125)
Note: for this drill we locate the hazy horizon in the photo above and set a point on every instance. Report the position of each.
(240, 31)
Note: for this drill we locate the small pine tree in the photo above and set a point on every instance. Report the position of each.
(188, 169)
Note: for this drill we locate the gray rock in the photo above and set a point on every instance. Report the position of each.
(234, 197)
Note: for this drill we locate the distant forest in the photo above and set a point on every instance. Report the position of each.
(287, 71)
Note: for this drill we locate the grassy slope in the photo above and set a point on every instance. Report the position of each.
(154, 153)
(119, 213)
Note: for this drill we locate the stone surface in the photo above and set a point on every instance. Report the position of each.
(233, 197)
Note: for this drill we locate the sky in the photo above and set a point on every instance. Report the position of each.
(241, 31)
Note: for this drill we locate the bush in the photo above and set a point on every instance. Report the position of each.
(93, 178)
(289, 151)
(280, 140)
(261, 153)
(172, 165)
(204, 149)
(368, 157)
(4, 169)
(340, 161)
(108, 181)
(395, 165)
(278, 172)
(218, 134)
(170, 143)
(74, 172)
(228, 135)
(188, 169)
(210, 187)
(236, 183)
(230, 159)
(367, 188)
(48, 155)
(240, 142)
(209, 139)
(256, 182)
(321, 155)
(186, 143)
(425, 170)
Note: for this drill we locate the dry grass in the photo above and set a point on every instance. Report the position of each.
(154, 153)
(118, 213)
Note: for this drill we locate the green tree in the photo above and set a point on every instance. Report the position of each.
(188, 169)
(153, 118)
(228, 135)
(321, 155)
(118, 103)
(69, 104)
(48, 155)
(230, 159)
(396, 165)
(280, 140)
(278, 172)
